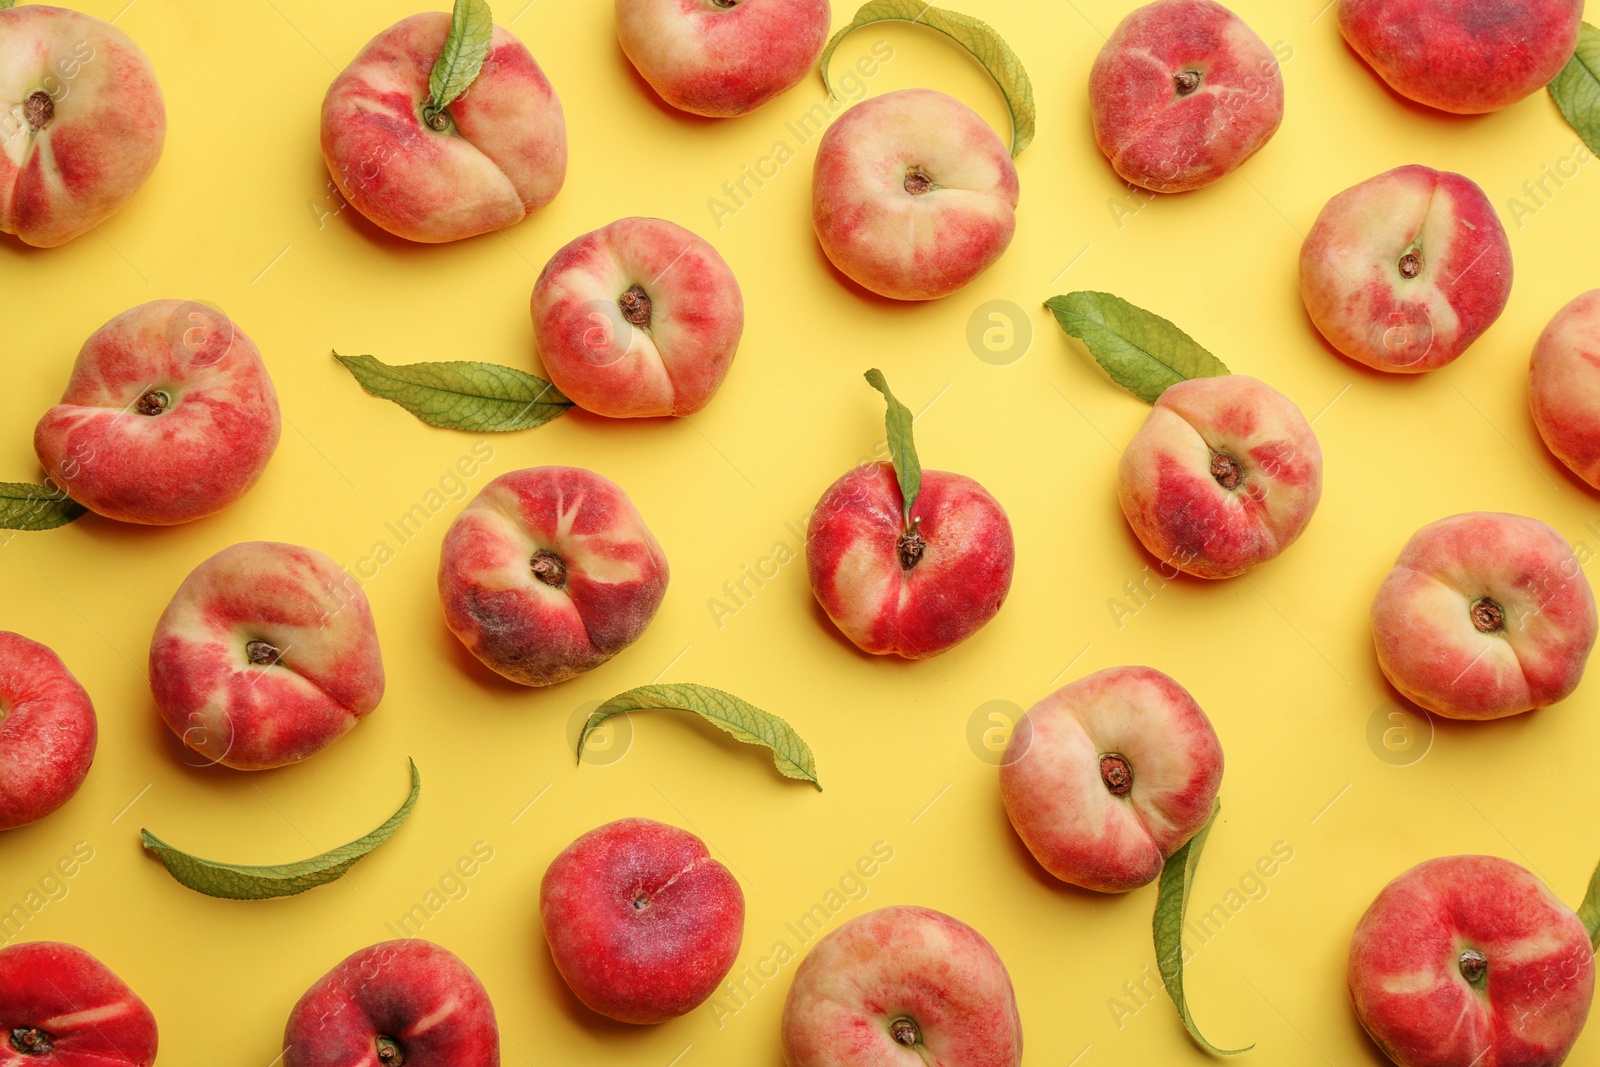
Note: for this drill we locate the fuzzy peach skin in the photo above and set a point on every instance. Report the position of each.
(913, 195)
(502, 156)
(1564, 386)
(1466, 56)
(902, 987)
(48, 732)
(1484, 615)
(397, 1002)
(639, 318)
(721, 58)
(61, 1007)
(266, 655)
(913, 595)
(641, 922)
(1406, 270)
(1222, 477)
(1182, 93)
(1471, 960)
(169, 416)
(1107, 777)
(81, 118)
(549, 572)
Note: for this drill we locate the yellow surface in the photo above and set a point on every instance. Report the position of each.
(240, 213)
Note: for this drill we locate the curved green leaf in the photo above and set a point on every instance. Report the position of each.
(235, 882)
(728, 713)
(26, 506)
(977, 37)
(1141, 351)
(902, 449)
(1576, 90)
(1589, 910)
(466, 47)
(1176, 878)
(462, 395)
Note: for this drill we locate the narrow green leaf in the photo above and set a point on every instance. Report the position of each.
(462, 395)
(1589, 910)
(979, 38)
(1576, 90)
(4, 4)
(25, 506)
(725, 711)
(1142, 352)
(235, 882)
(1176, 878)
(466, 47)
(902, 449)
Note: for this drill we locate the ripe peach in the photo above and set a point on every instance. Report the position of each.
(902, 985)
(913, 195)
(1484, 615)
(1564, 386)
(1182, 93)
(1471, 960)
(722, 57)
(47, 732)
(1405, 270)
(639, 318)
(169, 416)
(398, 1002)
(1106, 778)
(913, 592)
(642, 923)
(266, 655)
(61, 1007)
(1466, 56)
(1223, 475)
(499, 156)
(81, 120)
(549, 572)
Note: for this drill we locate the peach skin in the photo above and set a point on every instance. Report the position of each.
(48, 732)
(1564, 386)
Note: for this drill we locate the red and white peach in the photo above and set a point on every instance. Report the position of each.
(1564, 386)
(404, 1002)
(1182, 93)
(549, 572)
(61, 1006)
(639, 318)
(917, 590)
(493, 157)
(48, 732)
(1484, 615)
(1107, 777)
(1465, 56)
(169, 416)
(266, 655)
(721, 58)
(641, 922)
(902, 985)
(1471, 960)
(1223, 476)
(913, 195)
(1404, 271)
(82, 122)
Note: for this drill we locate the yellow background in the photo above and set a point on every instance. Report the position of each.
(240, 213)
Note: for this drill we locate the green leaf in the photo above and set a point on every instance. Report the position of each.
(977, 37)
(1576, 90)
(902, 449)
(25, 506)
(1176, 878)
(1142, 352)
(725, 711)
(462, 395)
(466, 47)
(235, 882)
(1589, 910)
(4, 4)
